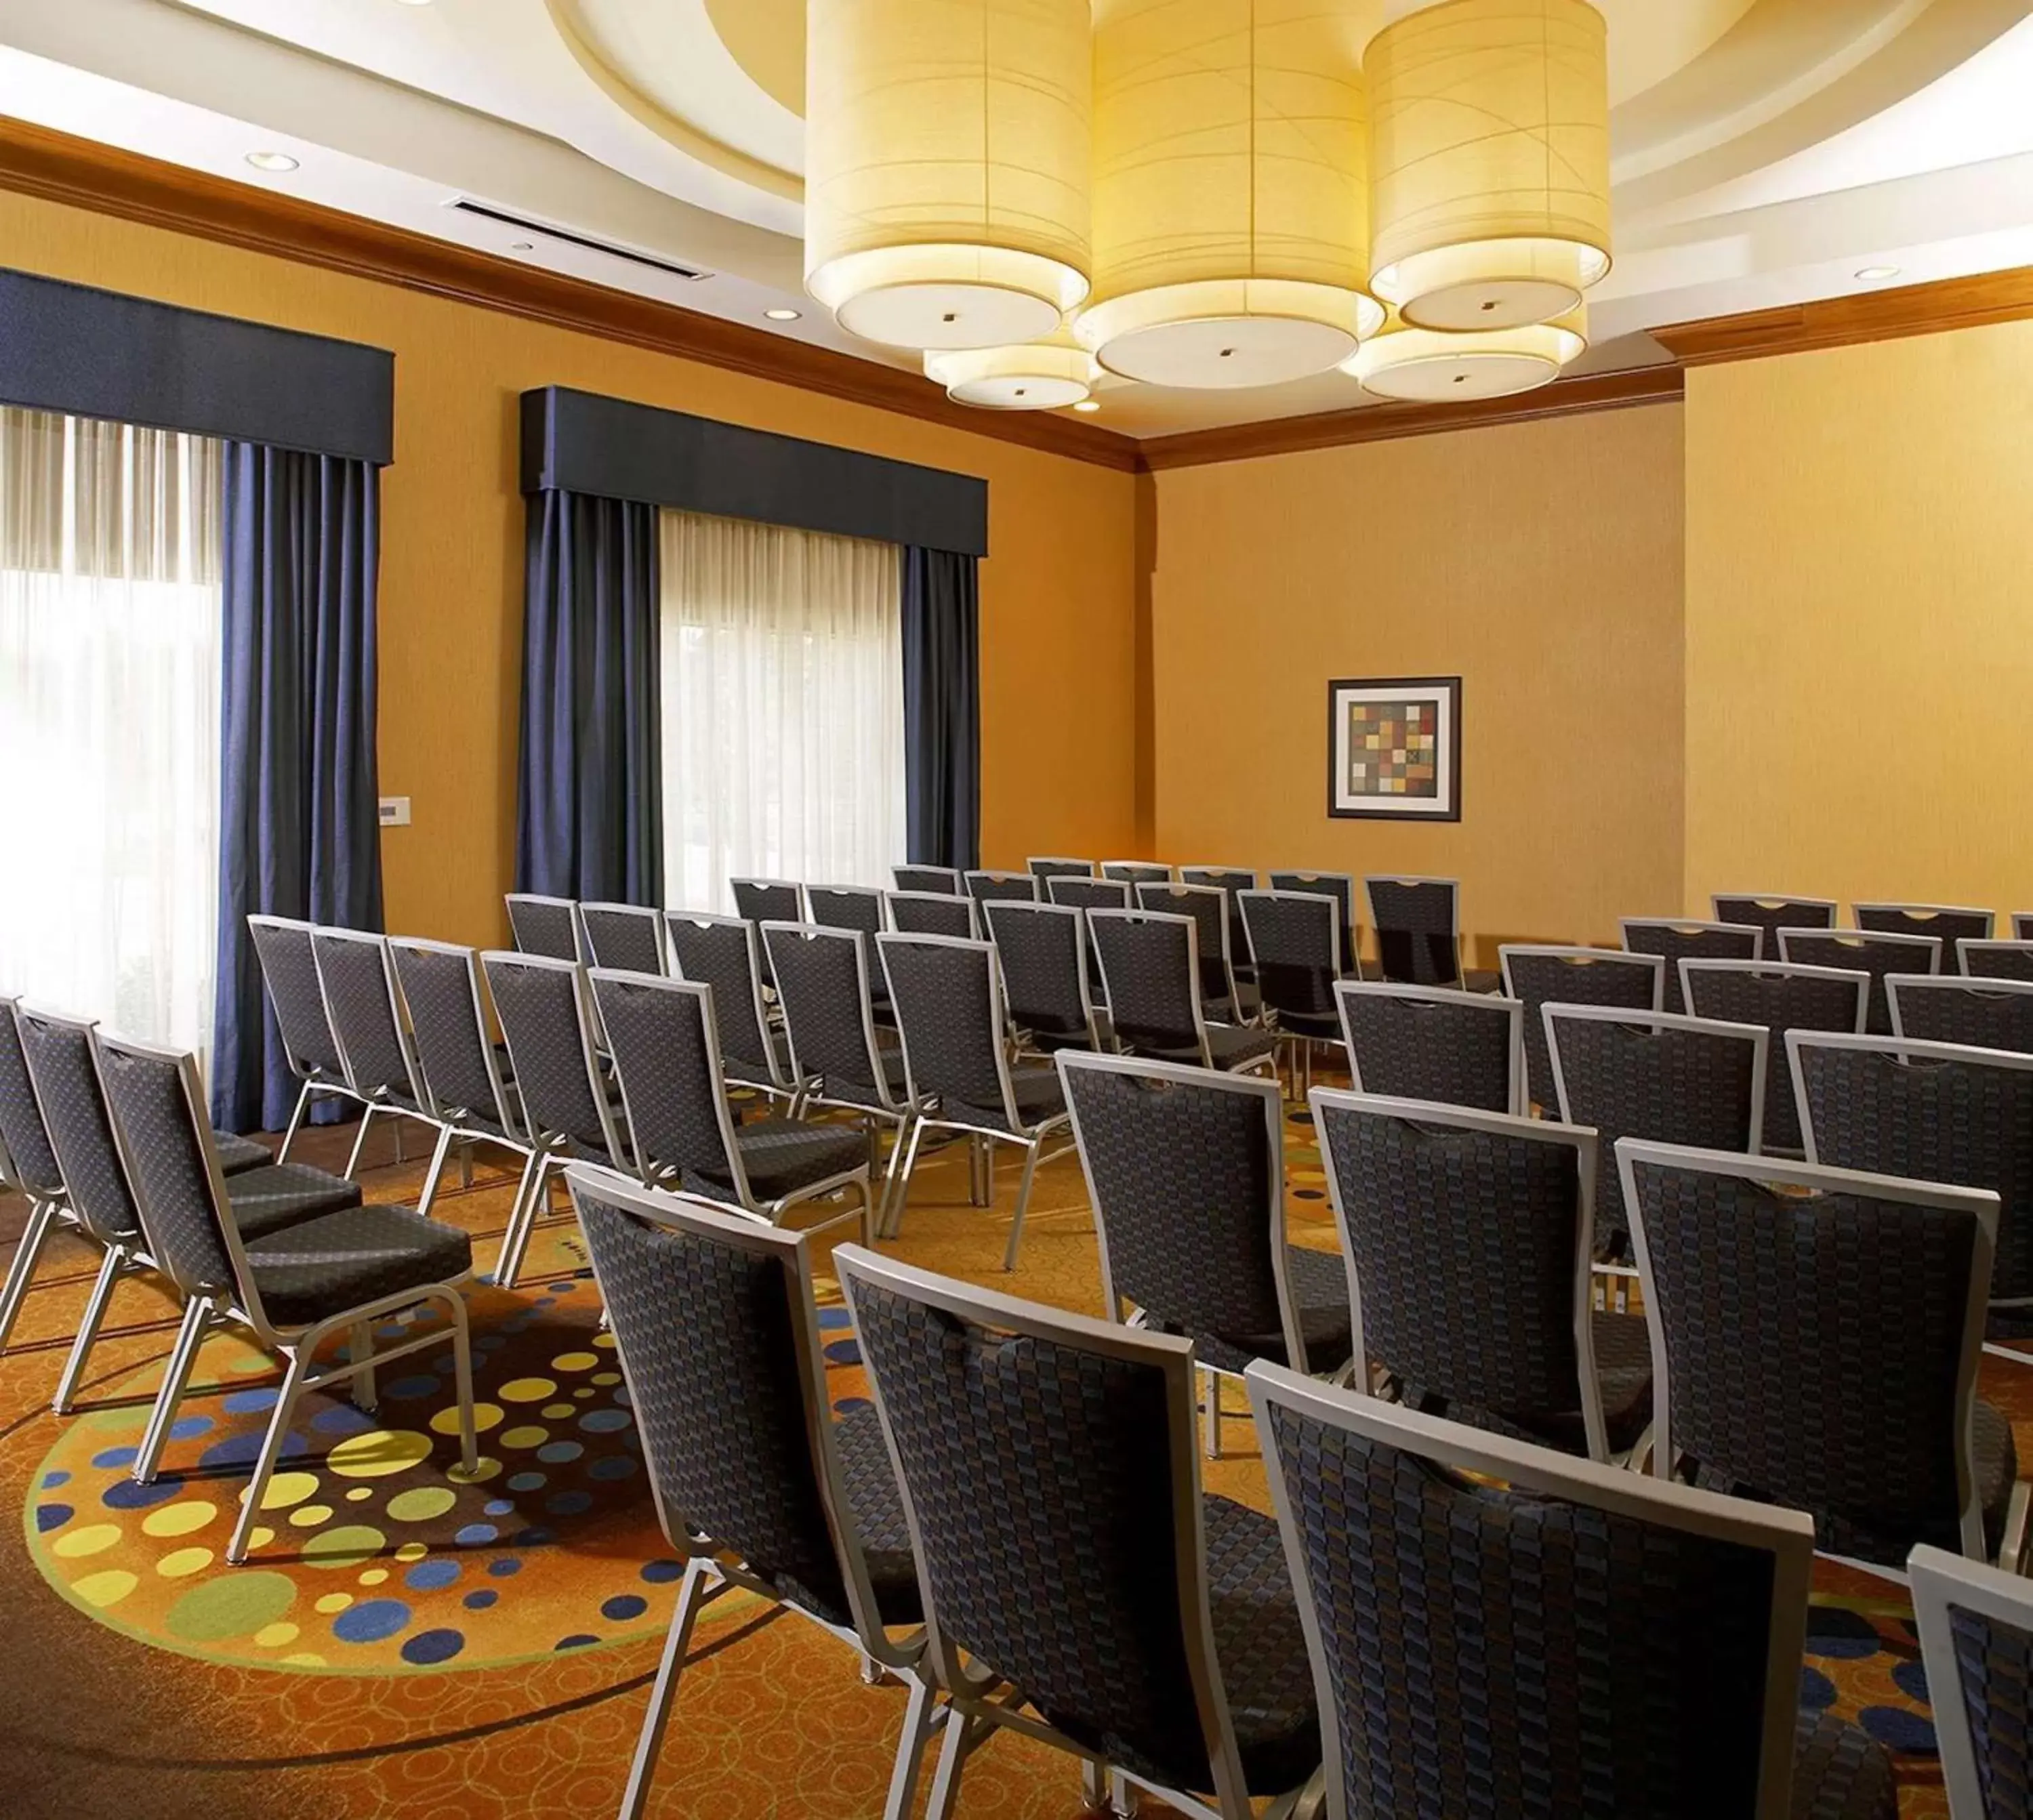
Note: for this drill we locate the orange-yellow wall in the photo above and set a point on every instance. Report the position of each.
(1059, 622)
(1860, 622)
(1540, 562)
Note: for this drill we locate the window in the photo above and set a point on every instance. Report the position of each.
(783, 707)
(110, 660)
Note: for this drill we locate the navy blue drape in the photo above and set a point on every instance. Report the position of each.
(299, 830)
(589, 820)
(942, 708)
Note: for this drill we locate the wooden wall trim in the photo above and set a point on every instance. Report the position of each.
(1932, 308)
(1387, 422)
(60, 167)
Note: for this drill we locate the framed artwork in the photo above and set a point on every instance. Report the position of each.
(1394, 748)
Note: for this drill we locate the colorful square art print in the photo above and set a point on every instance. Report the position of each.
(1394, 748)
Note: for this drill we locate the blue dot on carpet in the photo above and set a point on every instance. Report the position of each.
(446, 1362)
(479, 1601)
(622, 1607)
(111, 1459)
(249, 1402)
(569, 1503)
(497, 1507)
(546, 1301)
(603, 1423)
(1897, 1729)
(617, 1466)
(240, 1450)
(487, 1342)
(475, 1535)
(419, 1384)
(575, 1642)
(125, 1495)
(50, 1517)
(833, 1317)
(535, 1537)
(565, 1288)
(427, 1647)
(556, 1453)
(1841, 1636)
(661, 1573)
(190, 1428)
(1817, 1692)
(851, 1406)
(371, 1623)
(1910, 1679)
(343, 1419)
(52, 1481)
(528, 1482)
(844, 1352)
(503, 1567)
(429, 1576)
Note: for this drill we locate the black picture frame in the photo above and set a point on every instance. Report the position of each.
(1445, 693)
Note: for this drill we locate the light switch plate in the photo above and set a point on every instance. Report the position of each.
(395, 811)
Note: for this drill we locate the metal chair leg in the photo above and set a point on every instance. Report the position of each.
(176, 1376)
(1213, 1407)
(436, 1169)
(360, 1137)
(360, 1355)
(296, 1123)
(921, 1720)
(894, 1223)
(466, 1164)
(462, 1364)
(1023, 1205)
(110, 1269)
(952, 1760)
(272, 1446)
(42, 1216)
(664, 1691)
(522, 1217)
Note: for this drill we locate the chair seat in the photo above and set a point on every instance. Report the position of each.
(1623, 1370)
(1036, 1091)
(754, 1071)
(1481, 979)
(782, 1156)
(237, 1154)
(1319, 1289)
(852, 1092)
(1841, 1773)
(338, 1261)
(1244, 1008)
(1324, 1025)
(877, 1506)
(1261, 1646)
(281, 1194)
(1232, 1046)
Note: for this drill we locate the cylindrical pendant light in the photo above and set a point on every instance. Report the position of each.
(1231, 190)
(1490, 161)
(1047, 375)
(946, 167)
(1427, 367)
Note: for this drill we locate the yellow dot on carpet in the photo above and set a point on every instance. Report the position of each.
(412, 1551)
(526, 1390)
(555, 1412)
(358, 1492)
(485, 1416)
(309, 1516)
(574, 1361)
(286, 1489)
(524, 1437)
(586, 1390)
(309, 1659)
(108, 1588)
(378, 1453)
(346, 1546)
(374, 1576)
(274, 1636)
(260, 1539)
(184, 1563)
(332, 1602)
(94, 1539)
(249, 1363)
(179, 1519)
(231, 1604)
(422, 1504)
(484, 1469)
(603, 1340)
(607, 1377)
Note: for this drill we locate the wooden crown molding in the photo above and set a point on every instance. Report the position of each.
(1387, 422)
(60, 167)
(1932, 309)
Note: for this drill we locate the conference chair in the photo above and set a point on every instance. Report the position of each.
(933, 913)
(546, 926)
(1781, 999)
(1538, 975)
(1768, 913)
(1185, 1171)
(288, 970)
(1341, 887)
(627, 936)
(1150, 965)
(1047, 868)
(945, 880)
(1495, 1629)
(1949, 1008)
(1815, 1334)
(1229, 881)
(1949, 922)
(988, 887)
(1930, 1112)
(2022, 925)
(1976, 1647)
(1995, 960)
(681, 1130)
(1077, 1585)
(1470, 1240)
(568, 1108)
(1864, 951)
(760, 901)
(1049, 996)
(260, 1199)
(1225, 1002)
(1085, 894)
(1434, 1043)
(1417, 922)
(365, 1014)
(1295, 953)
(725, 953)
(344, 1273)
(759, 1489)
(1674, 940)
(949, 1015)
(858, 909)
(1135, 872)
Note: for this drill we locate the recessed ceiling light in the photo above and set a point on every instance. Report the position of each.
(782, 315)
(272, 161)
(1087, 404)
(1871, 272)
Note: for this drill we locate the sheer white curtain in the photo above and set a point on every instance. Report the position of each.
(110, 659)
(782, 713)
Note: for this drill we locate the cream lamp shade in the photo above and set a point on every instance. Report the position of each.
(1045, 375)
(946, 167)
(1489, 169)
(1231, 190)
(1424, 366)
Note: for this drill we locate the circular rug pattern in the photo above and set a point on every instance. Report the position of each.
(368, 1558)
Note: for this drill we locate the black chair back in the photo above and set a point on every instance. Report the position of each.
(1231, 881)
(1995, 960)
(27, 1161)
(547, 1022)
(949, 1016)
(667, 1059)
(986, 887)
(1150, 971)
(289, 968)
(359, 989)
(1540, 976)
(855, 907)
(724, 953)
(1976, 1643)
(623, 935)
(760, 901)
(1781, 998)
(1338, 886)
(1090, 893)
(1947, 1008)
(1050, 868)
(58, 1053)
(1295, 946)
(1948, 923)
(933, 913)
(1769, 915)
(823, 985)
(1863, 951)
(1044, 968)
(1675, 942)
(1208, 909)
(546, 926)
(1434, 1044)
(1417, 922)
(1135, 872)
(945, 880)
(460, 1068)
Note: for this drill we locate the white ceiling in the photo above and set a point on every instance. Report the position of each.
(1765, 150)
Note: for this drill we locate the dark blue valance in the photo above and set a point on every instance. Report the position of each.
(67, 348)
(578, 442)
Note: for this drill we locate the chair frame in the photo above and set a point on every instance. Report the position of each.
(312, 1074)
(890, 900)
(1135, 872)
(1690, 926)
(373, 1101)
(1031, 1139)
(1980, 1203)
(710, 1573)
(1930, 945)
(642, 911)
(1692, 965)
(1966, 945)
(1301, 1044)
(1174, 888)
(952, 872)
(1349, 936)
(1921, 912)
(1787, 1536)
(969, 1687)
(780, 1084)
(1756, 1034)
(552, 1150)
(1376, 927)
(1024, 1039)
(1566, 951)
(1774, 900)
(1129, 891)
(1266, 1062)
(1921, 984)
(46, 1212)
(746, 1202)
(808, 895)
(1456, 996)
(1940, 1580)
(976, 876)
(209, 1306)
(1031, 864)
(512, 898)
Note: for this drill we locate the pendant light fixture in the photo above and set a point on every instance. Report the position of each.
(1231, 190)
(1424, 366)
(1490, 161)
(1045, 375)
(946, 167)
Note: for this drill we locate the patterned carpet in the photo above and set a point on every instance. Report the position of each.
(400, 1645)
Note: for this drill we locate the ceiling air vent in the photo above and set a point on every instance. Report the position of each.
(524, 224)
